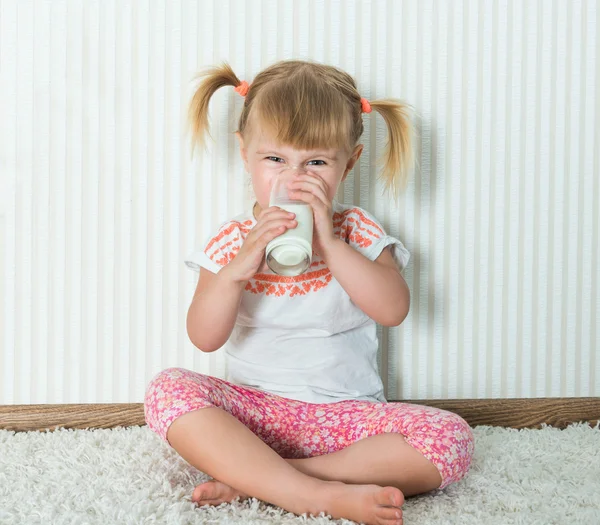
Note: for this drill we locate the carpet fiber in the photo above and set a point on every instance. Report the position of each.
(128, 476)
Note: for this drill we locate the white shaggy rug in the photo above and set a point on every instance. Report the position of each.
(129, 476)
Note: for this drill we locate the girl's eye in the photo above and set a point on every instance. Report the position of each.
(277, 159)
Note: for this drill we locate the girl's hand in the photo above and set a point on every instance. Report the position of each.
(271, 223)
(313, 190)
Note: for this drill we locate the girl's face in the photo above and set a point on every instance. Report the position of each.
(264, 159)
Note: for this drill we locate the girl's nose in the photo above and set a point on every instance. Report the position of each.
(297, 169)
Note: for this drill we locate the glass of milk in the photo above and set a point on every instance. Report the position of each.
(290, 253)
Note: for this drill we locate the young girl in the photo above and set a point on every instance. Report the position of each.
(301, 421)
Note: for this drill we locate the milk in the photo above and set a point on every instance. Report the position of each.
(304, 217)
(290, 253)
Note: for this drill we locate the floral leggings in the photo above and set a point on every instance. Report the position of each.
(297, 429)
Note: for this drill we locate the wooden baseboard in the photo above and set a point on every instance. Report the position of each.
(515, 413)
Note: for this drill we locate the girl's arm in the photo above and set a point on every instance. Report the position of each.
(376, 287)
(212, 314)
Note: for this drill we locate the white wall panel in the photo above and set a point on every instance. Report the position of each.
(100, 200)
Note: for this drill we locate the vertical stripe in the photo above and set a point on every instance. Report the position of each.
(482, 168)
(595, 309)
(462, 137)
(545, 192)
(462, 134)
(491, 319)
(268, 9)
(428, 158)
(124, 153)
(511, 254)
(549, 255)
(466, 385)
(432, 47)
(282, 31)
(525, 351)
(580, 383)
(330, 32)
(173, 225)
(451, 212)
(415, 94)
(187, 353)
(405, 363)
(507, 246)
(393, 335)
(24, 205)
(502, 182)
(559, 218)
(519, 124)
(90, 239)
(9, 182)
(582, 291)
(106, 202)
(295, 28)
(536, 269)
(573, 183)
(40, 276)
(566, 306)
(590, 227)
(409, 91)
(74, 204)
(441, 80)
(139, 293)
(304, 37)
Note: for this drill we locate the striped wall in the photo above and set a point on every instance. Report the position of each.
(100, 202)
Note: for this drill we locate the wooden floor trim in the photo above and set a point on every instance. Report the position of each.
(514, 413)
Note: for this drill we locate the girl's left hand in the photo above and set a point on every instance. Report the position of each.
(313, 190)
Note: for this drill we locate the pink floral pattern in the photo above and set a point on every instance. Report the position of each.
(296, 429)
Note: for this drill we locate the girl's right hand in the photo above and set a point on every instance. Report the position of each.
(271, 223)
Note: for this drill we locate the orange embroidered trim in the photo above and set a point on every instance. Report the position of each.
(242, 226)
(340, 218)
(368, 221)
(227, 257)
(220, 255)
(352, 229)
(279, 290)
(350, 225)
(224, 248)
(299, 278)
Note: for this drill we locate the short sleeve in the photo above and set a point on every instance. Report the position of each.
(219, 249)
(366, 234)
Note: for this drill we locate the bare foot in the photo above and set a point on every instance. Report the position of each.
(214, 493)
(369, 504)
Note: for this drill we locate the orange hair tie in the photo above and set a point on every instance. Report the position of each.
(243, 88)
(366, 107)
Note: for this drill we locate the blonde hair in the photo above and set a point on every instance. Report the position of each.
(309, 105)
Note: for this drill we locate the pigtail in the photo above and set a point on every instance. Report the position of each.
(398, 156)
(197, 117)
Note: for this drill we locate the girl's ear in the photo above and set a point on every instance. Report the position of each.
(243, 151)
(353, 159)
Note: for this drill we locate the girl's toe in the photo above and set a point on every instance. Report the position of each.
(390, 515)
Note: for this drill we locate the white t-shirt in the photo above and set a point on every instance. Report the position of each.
(302, 337)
